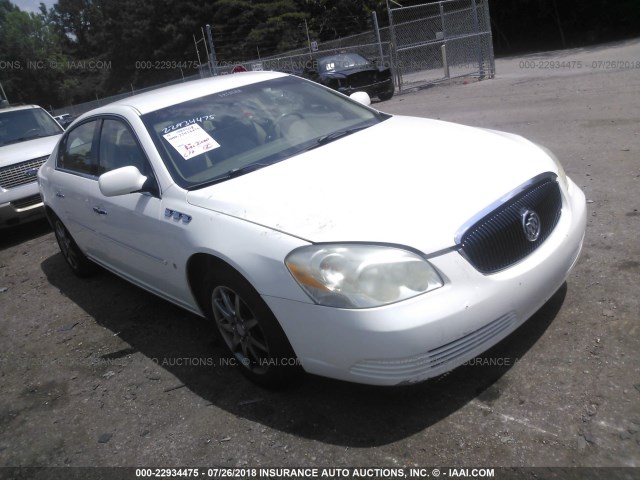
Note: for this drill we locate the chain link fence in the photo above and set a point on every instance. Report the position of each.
(423, 44)
(441, 40)
(294, 61)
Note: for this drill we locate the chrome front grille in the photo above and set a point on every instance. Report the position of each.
(499, 240)
(27, 202)
(19, 174)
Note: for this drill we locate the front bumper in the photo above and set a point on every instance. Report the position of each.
(372, 89)
(423, 337)
(19, 205)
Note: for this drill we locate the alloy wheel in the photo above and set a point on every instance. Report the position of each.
(240, 329)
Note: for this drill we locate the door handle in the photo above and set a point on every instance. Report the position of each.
(59, 195)
(99, 211)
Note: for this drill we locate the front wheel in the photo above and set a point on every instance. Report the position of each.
(250, 331)
(386, 95)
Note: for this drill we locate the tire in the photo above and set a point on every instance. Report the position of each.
(250, 331)
(386, 96)
(80, 265)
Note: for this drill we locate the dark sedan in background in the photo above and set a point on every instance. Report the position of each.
(350, 72)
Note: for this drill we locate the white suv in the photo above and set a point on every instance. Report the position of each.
(28, 135)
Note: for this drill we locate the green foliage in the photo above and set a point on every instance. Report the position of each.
(331, 19)
(31, 56)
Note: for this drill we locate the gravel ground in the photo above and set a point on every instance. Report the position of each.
(99, 373)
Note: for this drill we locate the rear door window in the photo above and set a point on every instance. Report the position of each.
(77, 151)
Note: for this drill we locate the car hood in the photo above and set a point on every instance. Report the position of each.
(407, 181)
(27, 150)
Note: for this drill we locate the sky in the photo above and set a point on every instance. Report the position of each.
(33, 5)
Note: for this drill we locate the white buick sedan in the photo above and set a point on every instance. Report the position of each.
(319, 234)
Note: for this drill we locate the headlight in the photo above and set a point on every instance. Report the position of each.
(360, 276)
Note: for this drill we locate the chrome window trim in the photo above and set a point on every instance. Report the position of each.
(101, 118)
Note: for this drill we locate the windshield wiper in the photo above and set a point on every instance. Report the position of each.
(31, 137)
(233, 173)
(236, 172)
(330, 137)
(23, 139)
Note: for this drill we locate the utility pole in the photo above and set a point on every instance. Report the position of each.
(196, 42)
(212, 52)
(376, 28)
(308, 38)
(393, 51)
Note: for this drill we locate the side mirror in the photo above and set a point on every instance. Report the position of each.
(121, 181)
(361, 97)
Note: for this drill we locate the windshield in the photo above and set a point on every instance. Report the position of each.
(26, 124)
(217, 137)
(336, 63)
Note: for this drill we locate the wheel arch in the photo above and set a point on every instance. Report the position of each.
(50, 214)
(199, 267)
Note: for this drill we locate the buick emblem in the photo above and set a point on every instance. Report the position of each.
(531, 224)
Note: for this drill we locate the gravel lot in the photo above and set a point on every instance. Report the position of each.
(100, 373)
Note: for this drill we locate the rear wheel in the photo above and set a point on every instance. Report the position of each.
(250, 331)
(77, 261)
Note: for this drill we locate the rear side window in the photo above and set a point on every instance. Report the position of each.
(77, 153)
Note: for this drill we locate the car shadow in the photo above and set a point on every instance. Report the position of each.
(316, 408)
(12, 236)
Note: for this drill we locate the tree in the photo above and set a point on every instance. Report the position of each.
(5, 7)
(241, 27)
(79, 23)
(332, 19)
(145, 42)
(32, 56)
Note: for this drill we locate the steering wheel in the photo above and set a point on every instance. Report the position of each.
(275, 129)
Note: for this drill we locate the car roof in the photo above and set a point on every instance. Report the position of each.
(19, 107)
(182, 92)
